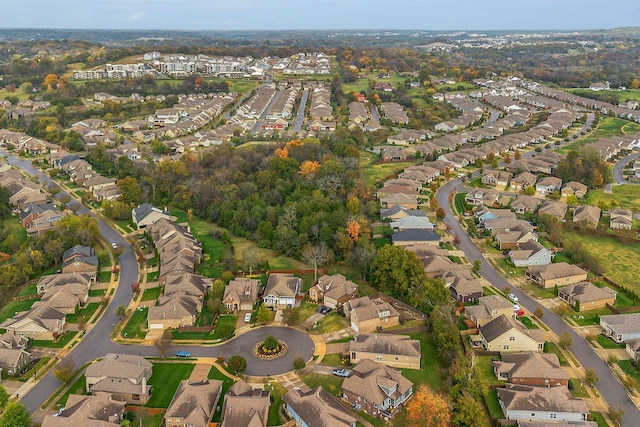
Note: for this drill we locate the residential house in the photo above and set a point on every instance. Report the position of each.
(145, 215)
(578, 189)
(390, 190)
(8, 340)
(532, 369)
(241, 294)
(555, 209)
(13, 360)
(316, 408)
(379, 390)
(123, 375)
(482, 196)
(412, 223)
(98, 410)
(587, 296)
(621, 327)
(416, 237)
(557, 274)
(632, 347)
(495, 178)
(245, 406)
(398, 351)
(393, 154)
(397, 212)
(465, 290)
(484, 213)
(522, 181)
(525, 204)
(368, 315)
(586, 215)
(333, 291)
(403, 200)
(194, 404)
(282, 290)
(519, 402)
(42, 322)
(515, 238)
(504, 225)
(174, 311)
(80, 259)
(530, 253)
(507, 335)
(620, 219)
(489, 307)
(186, 283)
(548, 185)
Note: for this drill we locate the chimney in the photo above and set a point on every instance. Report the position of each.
(144, 385)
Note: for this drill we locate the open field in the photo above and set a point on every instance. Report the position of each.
(376, 172)
(626, 196)
(14, 307)
(607, 127)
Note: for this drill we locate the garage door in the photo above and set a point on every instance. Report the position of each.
(156, 326)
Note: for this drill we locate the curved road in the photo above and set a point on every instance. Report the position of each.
(96, 343)
(620, 164)
(612, 391)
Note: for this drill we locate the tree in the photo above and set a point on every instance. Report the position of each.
(565, 340)
(629, 382)
(572, 200)
(163, 343)
(615, 414)
(440, 213)
(64, 370)
(427, 409)
(315, 256)
(121, 310)
(591, 376)
(4, 397)
(539, 313)
(291, 316)
(477, 266)
(15, 415)
(237, 364)
(299, 363)
(226, 330)
(561, 310)
(468, 412)
(263, 314)
(271, 343)
(530, 190)
(250, 258)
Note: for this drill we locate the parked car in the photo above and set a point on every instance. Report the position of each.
(114, 245)
(247, 318)
(516, 307)
(183, 353)
(340, 372)
(512, 297)
(326, 310)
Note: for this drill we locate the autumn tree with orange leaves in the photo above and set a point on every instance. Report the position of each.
(353, 229)
(309, 167)
(282, 153)
(427, 409)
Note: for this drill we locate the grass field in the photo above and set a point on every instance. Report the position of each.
(431, 373)
(618, 259)
(550, 347)
(375, 172)
(277, 392)
(165, 381)
(332, 322)
(151, 294)
(191, 336)
(487, 379)
(608, 343)
(97, 292)
(626, 196)
(330, 383)
(607, 127)
(135, 327)
(78, 387)
(577, 389)
(528, 322)
(14, 307)
(86, 312)
(599, 419)
(630, 370)
(62, 340)
(28, 290)
(224, 320)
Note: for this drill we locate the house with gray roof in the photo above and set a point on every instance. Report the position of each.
(13, 360)
(396, 212)
(415, 237)
(587, 215)
(378, 389)
(80, 259)
(531, 368)
(620, 219)
(519, 402)
(495, 178)
(632, 348)
(42, 322)
(523, 180)
(482, 196)
(398, 351)
(174, 311)
(146, 214)
(548, 185)
(193, 404)
(368, 315)
(488, 308)
(587, 296)
(245, 406)
(187, 283)
(412, 223)
(241, 294)
(333, 291)
(98, 410)
(575, 188)
(525, 204)
(553, 208)
(124, 375)
(282, 290)
(621, 327)
(530, 253)
(317, 407)
(556, 274)
(465, 290)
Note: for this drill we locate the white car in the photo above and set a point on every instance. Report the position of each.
(247, 317)
(512, 297)
(114, 245)
(516, 307)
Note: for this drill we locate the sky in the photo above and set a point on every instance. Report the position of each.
(437, 15)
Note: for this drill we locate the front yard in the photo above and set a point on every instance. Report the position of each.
(165, 381)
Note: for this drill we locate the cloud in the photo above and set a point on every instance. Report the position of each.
(137, 16)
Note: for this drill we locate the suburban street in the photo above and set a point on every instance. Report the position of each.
(297, 124)
(612, 391)
(620, 164)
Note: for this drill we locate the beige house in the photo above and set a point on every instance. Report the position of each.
(333, 291)
(368, 315)
(578, 189)
(557, 274)
(245, 406)
(586, 214)
(241, 294)
(520, 402)
(174, 311)
(507, 335)
(186, 283)
(621, 219)
(123, 375)
(531, 368)
(586, 296)
(194, 404)
(282, 291)
(13, 360)
(317, 407)
(398, 351)
(489, 307)
(42, 322)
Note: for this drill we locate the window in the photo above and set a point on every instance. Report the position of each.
(512, 338)
(396, 358)
(506, 347)
(378, 357)
(553, 416)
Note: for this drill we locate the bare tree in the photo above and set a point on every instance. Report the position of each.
(315, 256)
(250, 258)
(163, 343)
(64, 370)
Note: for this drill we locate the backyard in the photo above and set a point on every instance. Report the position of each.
(375, 172)
(165, 381)
(627, 196)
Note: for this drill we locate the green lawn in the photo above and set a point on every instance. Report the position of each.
(165, 381)
(332, 322)
(136, 326)
(333, 359)
(86, 312)
(607, 127)
(431, 372)
(97, 292)
(491, 400)
(538, 291)
(151, 294)
(460, 204)
(28, 290)
(215, 374)
(626, 196)
(630, 370)
(62, 340)
(375, 172)
(104, 276)
(277, 392)
(487, 291)
(528, 322)
(78, 387)
(550, 347)
(306, 310)
(331, 383)
(588, 318)
(577, 389)
(153, 276)
(38, 367)
(14, 307)
(599, 419)
(224, 320)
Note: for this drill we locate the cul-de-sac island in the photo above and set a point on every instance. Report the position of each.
(319, 229)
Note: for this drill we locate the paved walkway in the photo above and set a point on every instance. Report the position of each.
(338, 335)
